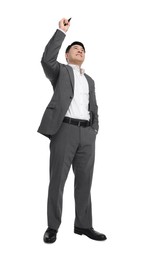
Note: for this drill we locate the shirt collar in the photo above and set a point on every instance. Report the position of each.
(76, 67)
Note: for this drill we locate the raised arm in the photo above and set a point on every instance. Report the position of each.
(49, 59)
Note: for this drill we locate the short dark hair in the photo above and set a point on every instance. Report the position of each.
(75, 43)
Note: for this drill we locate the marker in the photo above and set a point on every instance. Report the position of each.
(68, 21)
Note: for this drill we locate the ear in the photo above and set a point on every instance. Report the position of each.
(66, 55)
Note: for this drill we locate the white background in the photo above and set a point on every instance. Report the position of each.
(113, 33)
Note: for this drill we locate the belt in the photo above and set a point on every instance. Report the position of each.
(77, 122)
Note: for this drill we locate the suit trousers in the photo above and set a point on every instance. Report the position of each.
(71, 145)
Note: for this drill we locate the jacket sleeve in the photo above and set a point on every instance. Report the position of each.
(49, 59)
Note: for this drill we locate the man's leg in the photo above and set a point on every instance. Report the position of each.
(62, 150)
(83, 164)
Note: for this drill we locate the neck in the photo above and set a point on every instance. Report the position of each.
(75, 63)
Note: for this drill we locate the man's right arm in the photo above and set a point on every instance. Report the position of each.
(49, 59)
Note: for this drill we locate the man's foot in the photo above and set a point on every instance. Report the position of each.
(91, 233)
(50, 235)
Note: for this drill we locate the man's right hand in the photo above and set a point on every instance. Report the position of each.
(64, 24)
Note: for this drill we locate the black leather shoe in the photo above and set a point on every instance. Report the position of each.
(50, 235)
(91, 233)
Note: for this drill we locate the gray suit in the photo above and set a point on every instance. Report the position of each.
(70, 145)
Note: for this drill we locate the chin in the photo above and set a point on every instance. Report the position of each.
(79, 60)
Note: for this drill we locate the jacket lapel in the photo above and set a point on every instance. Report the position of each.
(89, 83)
(71, 74)
(90, 92)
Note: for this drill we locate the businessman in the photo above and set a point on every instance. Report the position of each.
(70, 121)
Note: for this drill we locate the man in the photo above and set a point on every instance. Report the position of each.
(70, 121)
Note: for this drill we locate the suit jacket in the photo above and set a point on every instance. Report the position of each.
(61, 77)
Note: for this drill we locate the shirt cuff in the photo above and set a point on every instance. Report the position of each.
(61, 30)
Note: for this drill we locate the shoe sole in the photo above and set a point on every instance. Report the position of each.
(49, 242)
(80, 233)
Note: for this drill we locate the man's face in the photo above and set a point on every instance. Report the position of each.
(76, 55)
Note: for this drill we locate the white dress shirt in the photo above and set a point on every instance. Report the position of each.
(78, 108)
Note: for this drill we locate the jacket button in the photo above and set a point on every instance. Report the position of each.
(70, 97)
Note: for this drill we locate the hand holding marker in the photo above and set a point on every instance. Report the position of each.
(68, 21)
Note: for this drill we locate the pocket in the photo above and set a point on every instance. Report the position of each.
(51, 105)
(93, 130)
